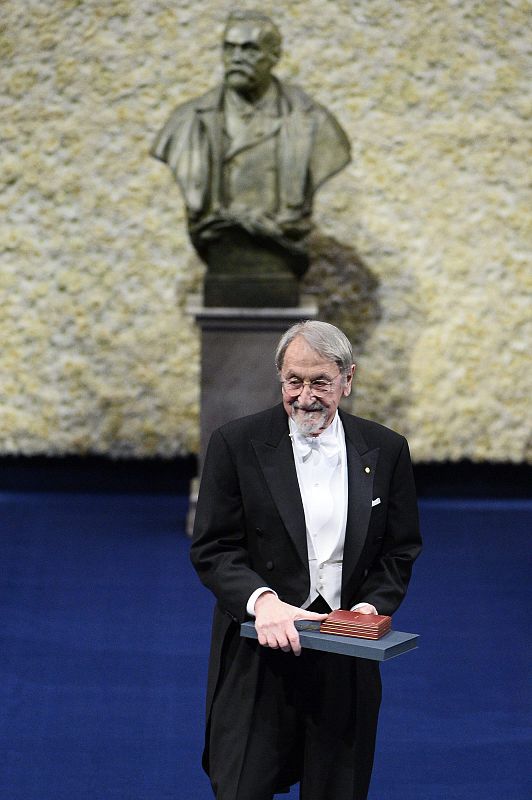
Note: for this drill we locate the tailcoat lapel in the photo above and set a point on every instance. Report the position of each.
(361, 465)
(276, 458)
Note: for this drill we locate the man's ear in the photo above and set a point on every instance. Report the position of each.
(274, 53)
(274, 59)
(349, 381)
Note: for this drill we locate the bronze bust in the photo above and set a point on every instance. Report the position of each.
(248, 156)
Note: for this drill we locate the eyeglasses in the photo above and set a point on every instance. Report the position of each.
(318, 387)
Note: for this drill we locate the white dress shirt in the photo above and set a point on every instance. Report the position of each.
(321, 467)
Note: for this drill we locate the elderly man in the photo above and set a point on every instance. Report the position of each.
(302, 509)
(248, 157)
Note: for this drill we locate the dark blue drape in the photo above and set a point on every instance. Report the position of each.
(104, 640)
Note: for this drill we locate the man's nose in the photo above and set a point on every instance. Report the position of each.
(306, 385)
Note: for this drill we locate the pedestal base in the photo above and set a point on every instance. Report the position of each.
(273, 290)
(247, 270)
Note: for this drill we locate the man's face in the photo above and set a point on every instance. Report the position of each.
(248, 60)
(312, 414)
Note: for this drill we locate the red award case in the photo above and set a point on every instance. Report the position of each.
(354, 623)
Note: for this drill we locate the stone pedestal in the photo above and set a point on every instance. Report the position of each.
(248, 271)
(238, 375)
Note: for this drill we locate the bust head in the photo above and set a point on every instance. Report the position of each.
(251, 48)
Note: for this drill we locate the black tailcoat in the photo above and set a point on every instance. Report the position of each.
(250, 532)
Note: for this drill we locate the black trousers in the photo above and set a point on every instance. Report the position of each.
(314, 721)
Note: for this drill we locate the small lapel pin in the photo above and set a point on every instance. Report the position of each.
(367, 469)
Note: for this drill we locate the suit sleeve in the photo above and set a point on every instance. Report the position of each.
(388, 575)
(219, 545)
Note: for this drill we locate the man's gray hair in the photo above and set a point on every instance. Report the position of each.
(326, 339)
(271, 34)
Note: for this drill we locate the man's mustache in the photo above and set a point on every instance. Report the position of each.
(239, 67)
(315, 406)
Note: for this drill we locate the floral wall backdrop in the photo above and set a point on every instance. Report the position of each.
(420, 248)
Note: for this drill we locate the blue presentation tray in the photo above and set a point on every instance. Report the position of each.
(392, 644)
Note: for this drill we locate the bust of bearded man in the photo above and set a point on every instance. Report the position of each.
(248, 157)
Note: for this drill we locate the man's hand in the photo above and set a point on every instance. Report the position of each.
(274, 622)
(365, 608)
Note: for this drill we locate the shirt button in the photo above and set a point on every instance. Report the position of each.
(269, 565)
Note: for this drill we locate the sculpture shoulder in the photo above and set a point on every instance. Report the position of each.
(298, 99)
(205, 102)
(182, 117)
(332, 147)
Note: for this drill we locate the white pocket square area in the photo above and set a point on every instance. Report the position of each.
(375, 502)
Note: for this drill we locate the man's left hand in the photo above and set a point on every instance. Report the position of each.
(365, 608)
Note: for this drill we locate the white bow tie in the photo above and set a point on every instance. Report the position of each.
(326, 448)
